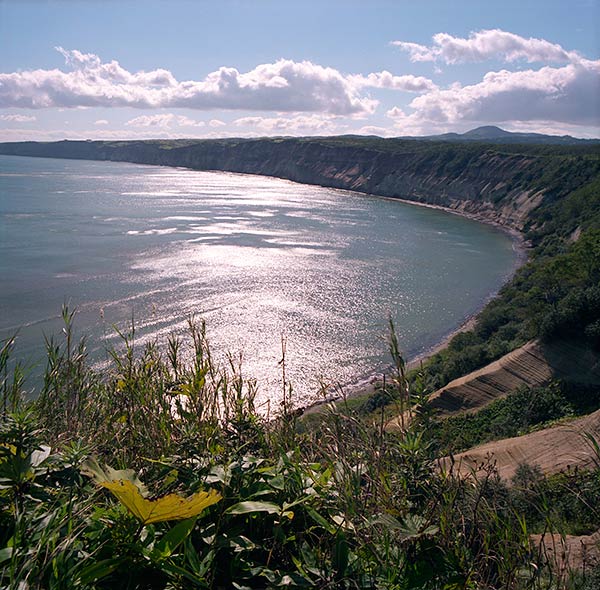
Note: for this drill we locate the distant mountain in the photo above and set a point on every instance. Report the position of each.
(492, 134)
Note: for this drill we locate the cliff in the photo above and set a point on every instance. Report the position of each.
(495, 183)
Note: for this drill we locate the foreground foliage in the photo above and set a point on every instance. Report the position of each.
(161, 474)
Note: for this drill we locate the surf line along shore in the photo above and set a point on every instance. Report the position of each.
(367, 386)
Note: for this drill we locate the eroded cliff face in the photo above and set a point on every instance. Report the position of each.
(482, 183)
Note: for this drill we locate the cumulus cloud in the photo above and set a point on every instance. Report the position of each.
(101, 122)
(395, 113)
(216, 123)
(18, 118)
(187, 122)
(385, 79)
(566, 96)
(375, 130)
(313, 124)
(164, 121)
(485, 45)
(151, 121)
(29, 134)
(284, 86)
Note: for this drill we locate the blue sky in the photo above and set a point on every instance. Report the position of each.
(183, 68)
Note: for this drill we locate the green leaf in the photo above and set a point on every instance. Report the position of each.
(176, 570)
(167, 544)
(320, 520)
(414, 527)
(99, 570)
(250, 507)
(6, 554)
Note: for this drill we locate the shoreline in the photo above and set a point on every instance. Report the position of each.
(365, 386)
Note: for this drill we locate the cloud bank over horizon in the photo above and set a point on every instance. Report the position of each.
(285, 86)
(302, 97)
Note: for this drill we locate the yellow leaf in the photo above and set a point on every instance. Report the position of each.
(169, 507)
(10, 448)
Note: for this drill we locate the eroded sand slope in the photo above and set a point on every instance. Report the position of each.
(531, 365)
(553, 449)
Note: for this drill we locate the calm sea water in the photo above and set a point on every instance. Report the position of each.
(258, 258)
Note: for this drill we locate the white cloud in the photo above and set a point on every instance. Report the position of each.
(395, 113)
(101, 122)
(18, 118)
(374, 130)
(23, 134)
(187, 122)
(285, 86)
(312, 124)
(164, 121)
(485, 45)
(567, 94)
(385, 79)
(216, 123)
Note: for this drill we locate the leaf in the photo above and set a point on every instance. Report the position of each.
(99, 570)
(169, 507)
(176, 570)
(320, 520)
(414, 527)
(6, 554)
(102, 475)
(40, 455)
(249, 507)
(179, 533)
(340, 556)
(342, 522)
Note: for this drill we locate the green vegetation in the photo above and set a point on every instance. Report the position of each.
(338, 502)
(232, 499)
(555, 295)
(515, 415)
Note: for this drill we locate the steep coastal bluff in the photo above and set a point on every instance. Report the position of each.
(501, 184)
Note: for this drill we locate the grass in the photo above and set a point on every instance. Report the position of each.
(342, 504)
(337, 502)
(525, 410)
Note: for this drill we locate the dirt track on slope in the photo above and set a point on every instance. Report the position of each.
(569, 552)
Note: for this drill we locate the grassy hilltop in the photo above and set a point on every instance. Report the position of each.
(102, 478)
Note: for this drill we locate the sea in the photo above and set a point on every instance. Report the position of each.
(276, 269)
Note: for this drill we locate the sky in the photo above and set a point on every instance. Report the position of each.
(128, 69)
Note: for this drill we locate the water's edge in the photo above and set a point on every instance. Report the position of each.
(361, 385)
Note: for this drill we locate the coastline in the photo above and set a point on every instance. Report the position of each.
(366, 386)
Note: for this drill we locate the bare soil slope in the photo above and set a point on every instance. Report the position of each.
(569, 552)
(553, 449)
(533, 364)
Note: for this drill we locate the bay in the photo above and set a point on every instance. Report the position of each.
(260, 259)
